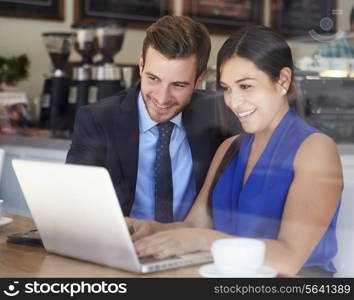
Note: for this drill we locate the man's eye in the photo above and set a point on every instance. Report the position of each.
(181, 85)
(152, 78)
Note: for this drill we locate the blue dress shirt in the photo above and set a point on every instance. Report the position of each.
(184, 189)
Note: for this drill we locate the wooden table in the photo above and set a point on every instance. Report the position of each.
(26, 261)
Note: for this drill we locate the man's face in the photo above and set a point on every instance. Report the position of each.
(167, 85)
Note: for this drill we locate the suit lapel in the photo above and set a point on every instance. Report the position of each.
(127, 139)
(199, 141)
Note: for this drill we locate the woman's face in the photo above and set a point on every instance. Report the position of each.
(257, 101)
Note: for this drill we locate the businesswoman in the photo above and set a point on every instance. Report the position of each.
(280, 181)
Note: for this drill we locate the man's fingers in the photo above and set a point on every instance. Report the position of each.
(138, 234)
(130, 224)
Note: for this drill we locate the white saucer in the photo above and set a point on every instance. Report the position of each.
(209, 270)
(4, 221)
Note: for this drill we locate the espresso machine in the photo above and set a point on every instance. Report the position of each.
(110, 36)
(83, 87)
(59, 45)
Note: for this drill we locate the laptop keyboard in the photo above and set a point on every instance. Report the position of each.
(151, 259)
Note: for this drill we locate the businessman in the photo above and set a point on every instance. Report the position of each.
(158, 138)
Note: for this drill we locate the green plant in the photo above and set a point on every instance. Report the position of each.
(13, 69)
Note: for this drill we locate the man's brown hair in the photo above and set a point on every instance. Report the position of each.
(179, 37)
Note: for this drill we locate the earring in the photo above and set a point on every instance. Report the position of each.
(284, 91)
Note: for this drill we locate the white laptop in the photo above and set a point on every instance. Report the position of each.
(77, 213)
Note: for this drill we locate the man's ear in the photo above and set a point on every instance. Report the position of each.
(141, 64)
(200, 79)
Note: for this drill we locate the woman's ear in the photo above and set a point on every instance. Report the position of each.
(284, 80)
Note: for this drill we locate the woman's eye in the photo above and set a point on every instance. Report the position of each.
(225, 89)
(245, 86)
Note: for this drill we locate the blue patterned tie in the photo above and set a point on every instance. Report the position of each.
(163, 175)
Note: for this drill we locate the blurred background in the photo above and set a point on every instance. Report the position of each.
(79, 52)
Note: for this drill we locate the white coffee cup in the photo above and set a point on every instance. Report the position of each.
(238, 256)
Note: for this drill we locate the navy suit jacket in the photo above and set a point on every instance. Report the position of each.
(107, 134)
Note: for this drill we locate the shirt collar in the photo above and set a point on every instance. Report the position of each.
(146, 123)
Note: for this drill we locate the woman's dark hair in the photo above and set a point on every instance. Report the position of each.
(266, 48)
(269, 51)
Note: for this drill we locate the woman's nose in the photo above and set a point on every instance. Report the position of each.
(237, 99)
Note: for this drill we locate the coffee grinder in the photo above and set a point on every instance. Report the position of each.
(44, 118)
(59, 46)
(83, 88)
(110, 36)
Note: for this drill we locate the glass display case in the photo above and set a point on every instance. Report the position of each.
(329, 105)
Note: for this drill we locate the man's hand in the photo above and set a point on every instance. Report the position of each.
(173, 242)
(140, 228)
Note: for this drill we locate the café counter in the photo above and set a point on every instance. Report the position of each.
(30, 148)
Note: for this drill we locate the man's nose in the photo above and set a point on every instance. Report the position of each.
(163, 95)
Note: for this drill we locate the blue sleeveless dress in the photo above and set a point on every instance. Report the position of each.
(255, 210)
